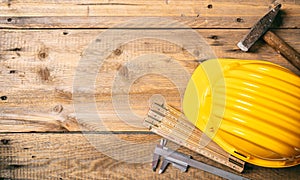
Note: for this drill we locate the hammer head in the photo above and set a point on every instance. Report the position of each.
(259, 29)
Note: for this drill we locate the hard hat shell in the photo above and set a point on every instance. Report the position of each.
(250, 108)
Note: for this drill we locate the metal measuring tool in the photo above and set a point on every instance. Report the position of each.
(171, 124)
(182, 162)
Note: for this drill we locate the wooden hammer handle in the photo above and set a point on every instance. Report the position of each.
(283, 48)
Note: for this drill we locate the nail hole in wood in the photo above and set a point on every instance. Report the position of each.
(210, 6)
(3, 98)
(5, 141)
(239, 20)
(118, 52)
(12, 71)
(65, 33)
(214, 37)
(9, 19)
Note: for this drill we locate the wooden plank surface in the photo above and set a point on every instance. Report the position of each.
(104, 14)
(42, 43)
(38, 69)
(71, 156)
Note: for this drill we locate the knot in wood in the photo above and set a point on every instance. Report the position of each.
(58, 108)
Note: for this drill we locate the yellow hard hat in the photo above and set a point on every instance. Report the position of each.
(250, 108)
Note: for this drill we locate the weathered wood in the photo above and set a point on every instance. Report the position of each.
(38, 68)
(135, 7)
(41, 45)
(69, 156)
(104, 14)
(230, 22)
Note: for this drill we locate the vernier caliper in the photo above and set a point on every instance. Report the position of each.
(182, 161)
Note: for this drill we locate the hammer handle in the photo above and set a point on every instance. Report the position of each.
(283, 48)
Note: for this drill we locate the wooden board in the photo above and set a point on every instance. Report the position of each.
(70, 156)
(42, 43)
(38, 69)
(104, 14)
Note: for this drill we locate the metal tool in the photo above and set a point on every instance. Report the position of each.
(182, 161)
(261, 29)
(171, 124)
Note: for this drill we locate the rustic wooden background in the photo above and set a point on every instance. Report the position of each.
(41, 43)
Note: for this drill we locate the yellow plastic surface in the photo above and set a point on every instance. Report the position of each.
(250, 108)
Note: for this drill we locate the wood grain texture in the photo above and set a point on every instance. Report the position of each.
(38, 68)
(42, 43)
(70, 156)
(107, 14)
(132, 7)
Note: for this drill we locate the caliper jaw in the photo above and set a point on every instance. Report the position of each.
(183, 166)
